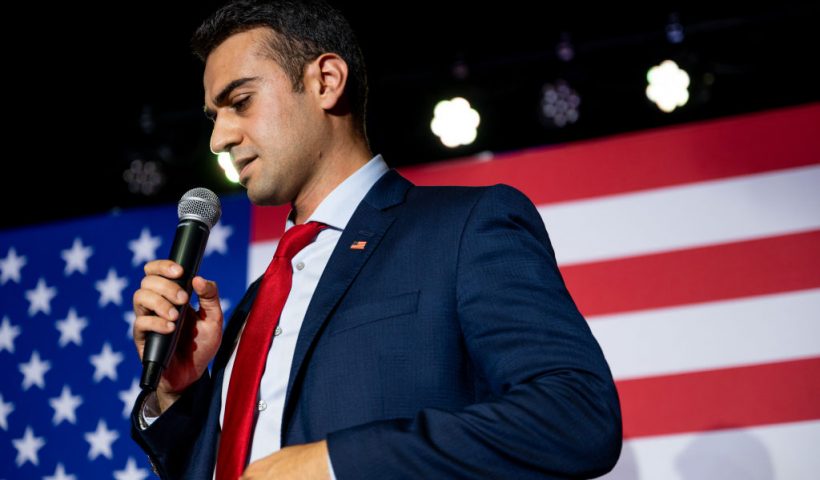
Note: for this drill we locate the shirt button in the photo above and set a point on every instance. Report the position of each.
(278, 331)
(300, 265)
(262, 405)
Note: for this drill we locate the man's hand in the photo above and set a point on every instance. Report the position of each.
(308, 462)
(155, 306)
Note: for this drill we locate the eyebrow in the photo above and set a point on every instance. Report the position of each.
(225, 93)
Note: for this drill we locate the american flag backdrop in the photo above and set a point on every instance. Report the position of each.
(69, 366)
(693, 251)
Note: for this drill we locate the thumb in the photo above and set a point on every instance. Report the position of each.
(208, 297)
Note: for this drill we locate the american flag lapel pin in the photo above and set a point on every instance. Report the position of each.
(358, 245)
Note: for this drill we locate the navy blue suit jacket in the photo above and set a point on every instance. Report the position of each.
(448, 348)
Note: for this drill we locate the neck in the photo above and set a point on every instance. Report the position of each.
(333, 167)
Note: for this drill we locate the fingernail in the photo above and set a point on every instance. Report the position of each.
(181, 296)
(176, 269)
(170, 325)
(173, 313)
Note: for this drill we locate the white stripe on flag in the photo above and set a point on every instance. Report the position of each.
(705, 213)
(787, 451)
(711, 335)
(259, 256)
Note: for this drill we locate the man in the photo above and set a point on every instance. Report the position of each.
(427, 332)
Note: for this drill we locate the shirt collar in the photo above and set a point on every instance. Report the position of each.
(337, 208)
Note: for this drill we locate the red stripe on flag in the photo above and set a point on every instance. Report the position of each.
(720, 399)
(669, 156)
(733, 270)
(268, 223)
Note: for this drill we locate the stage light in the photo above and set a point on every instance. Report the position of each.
(144, 177)
(224, 160)
(559, 104)
(674, 29)
(455, 122)
(565, 50)
(667, 86)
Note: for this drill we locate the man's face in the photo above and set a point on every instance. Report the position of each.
(272, 133)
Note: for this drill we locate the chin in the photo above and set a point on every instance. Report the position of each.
(259, 201)
(264, 199)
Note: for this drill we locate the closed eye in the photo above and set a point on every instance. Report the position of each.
(238, 106)
(222, 97)
(241, 104)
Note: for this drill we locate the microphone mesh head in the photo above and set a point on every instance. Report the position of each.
(200, 204)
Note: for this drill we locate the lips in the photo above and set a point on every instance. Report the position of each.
(242, 165)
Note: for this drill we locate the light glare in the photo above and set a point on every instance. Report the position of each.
(667, 86)
(455, 122)
(224, 160)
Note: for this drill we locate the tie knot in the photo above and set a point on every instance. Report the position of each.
(297, 238)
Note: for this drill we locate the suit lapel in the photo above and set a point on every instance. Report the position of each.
(369, 223)
(231, 333)
(211, 431)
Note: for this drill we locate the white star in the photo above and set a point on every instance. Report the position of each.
(144, 248)
(111, 288)
(65, 406)
(8, 333)
(59, 474)
(34, 371)
(218, 239)
(101, 440)
(225, 304)
(131, 472)
(40, 298)
(130, 317)
(10, 267)
(76, 257)
(27, 447)
(71, 328)
(5, 410)
(129, 397)
(105, 363)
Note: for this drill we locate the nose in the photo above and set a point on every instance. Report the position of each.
(225, 135)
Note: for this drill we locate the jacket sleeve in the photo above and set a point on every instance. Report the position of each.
(168, 440)
(554, 411)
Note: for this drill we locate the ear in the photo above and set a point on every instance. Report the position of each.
(327, 77)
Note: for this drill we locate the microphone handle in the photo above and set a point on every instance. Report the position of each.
(187, 250)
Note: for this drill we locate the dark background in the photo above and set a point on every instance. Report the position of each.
(90, 89)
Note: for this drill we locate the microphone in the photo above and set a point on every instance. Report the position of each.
(198, 210)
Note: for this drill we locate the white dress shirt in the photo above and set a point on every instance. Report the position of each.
(335, 211)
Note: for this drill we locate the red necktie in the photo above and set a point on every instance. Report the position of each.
(252, 352)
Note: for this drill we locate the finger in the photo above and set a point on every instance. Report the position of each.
(149, 323)
(165, 268)
(208, 297)
(149, 302)
(165, 287)
(250, 472)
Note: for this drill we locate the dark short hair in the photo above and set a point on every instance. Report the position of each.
(304, 30)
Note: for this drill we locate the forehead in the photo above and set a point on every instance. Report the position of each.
(240, 55)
